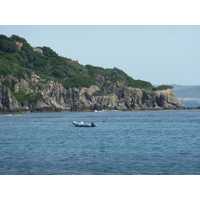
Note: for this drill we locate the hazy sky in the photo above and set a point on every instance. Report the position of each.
(158, 54)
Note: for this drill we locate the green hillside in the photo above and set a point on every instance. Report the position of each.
(17, 56)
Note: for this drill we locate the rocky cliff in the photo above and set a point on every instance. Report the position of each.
(32, 93)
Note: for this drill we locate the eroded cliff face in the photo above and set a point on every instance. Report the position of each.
(32, 93)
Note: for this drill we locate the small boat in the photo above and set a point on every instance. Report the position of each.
(82, 124)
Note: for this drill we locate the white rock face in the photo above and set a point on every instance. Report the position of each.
(52, 96)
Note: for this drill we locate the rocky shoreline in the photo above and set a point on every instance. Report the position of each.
(38, 95)
(24, 112)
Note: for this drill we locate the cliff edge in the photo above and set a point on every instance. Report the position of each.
(36, 94)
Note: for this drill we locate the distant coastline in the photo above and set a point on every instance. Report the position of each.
(187, 92)
(188, 98)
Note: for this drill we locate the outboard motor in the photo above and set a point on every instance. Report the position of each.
(92, 124)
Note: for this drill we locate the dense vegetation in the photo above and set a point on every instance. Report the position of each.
(16, 60)
(163, 87)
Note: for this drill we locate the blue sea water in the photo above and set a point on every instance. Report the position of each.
(191, 103)
(124, 143)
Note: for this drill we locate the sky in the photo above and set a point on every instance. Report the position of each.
(160, 54)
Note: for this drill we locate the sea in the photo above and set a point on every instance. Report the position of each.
(191, 103)
(123, 143)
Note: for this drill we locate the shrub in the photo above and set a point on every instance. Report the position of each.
(5, 71)
(162, 87)
(6, 83)
(49, 52)
(23, 97)
(57, 73)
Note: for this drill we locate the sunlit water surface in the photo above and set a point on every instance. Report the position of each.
(143, 142)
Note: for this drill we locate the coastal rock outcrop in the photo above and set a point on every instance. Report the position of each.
(33, 94)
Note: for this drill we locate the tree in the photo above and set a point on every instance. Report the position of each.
(49, 52)
(7, 46)
(18, 39)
